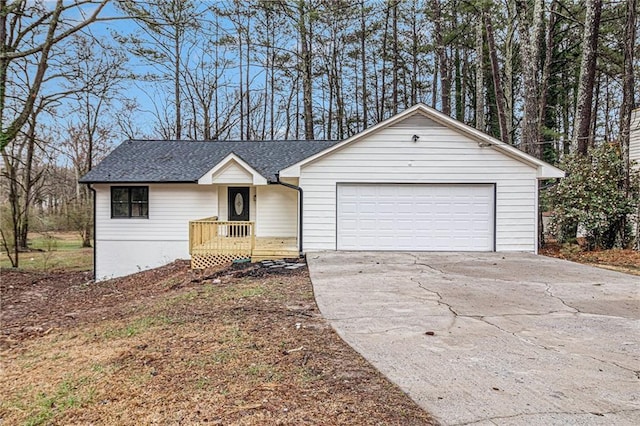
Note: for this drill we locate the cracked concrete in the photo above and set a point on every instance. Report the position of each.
(515, 339)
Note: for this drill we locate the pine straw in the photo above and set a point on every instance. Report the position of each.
(252, 349)
(627, 261)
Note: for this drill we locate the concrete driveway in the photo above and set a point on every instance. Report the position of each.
(491, 338)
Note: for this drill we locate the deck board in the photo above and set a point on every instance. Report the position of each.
(265, 247)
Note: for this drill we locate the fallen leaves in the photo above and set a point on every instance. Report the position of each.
(621, 260)
(232, 346)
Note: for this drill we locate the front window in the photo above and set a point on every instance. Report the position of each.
(130, 201)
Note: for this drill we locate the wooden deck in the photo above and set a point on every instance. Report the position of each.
(213, 242)
(274, 248)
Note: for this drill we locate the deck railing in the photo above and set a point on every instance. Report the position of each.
(210, 235)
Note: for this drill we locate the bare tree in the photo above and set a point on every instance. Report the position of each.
(30, 29)
(94, 79)
(165, 25)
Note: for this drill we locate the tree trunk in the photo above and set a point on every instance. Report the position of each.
(443, 59)
(307, 77)
(363, 60)
(508, 68)
(546, 70)
(480, 124)
(385, 55)
(582, 127)
(628, 83)
(396, 55)
(530, 50)
(176, 86)
(415, 51)
(497, 81)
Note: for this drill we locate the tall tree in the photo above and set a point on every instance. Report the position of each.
(582, 135)
(305, 34)
(165, 25)
(530, 30)
(443, 56)
(480, 122)
(628, 80)
(495, 73)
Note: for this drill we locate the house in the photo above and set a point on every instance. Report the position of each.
(634, 137)
(418, 181)
(634, 156)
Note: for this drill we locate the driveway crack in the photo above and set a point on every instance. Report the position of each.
(548, 291)
(440, 302)
(635, 373)
(481, 318)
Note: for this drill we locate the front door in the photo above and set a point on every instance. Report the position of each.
(238, 204)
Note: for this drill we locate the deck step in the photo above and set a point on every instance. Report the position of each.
(256, 257)
(282, 252)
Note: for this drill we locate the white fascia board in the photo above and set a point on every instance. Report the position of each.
(549, 171)
(544, 170)
(207, 178)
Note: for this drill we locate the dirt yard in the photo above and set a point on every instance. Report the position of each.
(243, 345)
(627, 261)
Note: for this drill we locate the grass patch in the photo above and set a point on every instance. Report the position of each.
(244, 290)
(135, 327)
(59, 251)
(47, 405)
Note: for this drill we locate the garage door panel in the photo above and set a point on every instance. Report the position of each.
(437, 217)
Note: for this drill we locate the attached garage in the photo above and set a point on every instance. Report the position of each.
(423, 217)
(420, 181)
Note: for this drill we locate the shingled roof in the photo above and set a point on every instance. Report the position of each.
(147, 161)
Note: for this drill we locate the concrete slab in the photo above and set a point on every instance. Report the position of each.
(491, 338)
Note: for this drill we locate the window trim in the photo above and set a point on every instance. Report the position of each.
(129, 202)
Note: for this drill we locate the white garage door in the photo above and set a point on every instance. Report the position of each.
(437, 217)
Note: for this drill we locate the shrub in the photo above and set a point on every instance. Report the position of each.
(594, 196)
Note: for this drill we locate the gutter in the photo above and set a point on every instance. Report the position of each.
(300, 205)
(95, 245)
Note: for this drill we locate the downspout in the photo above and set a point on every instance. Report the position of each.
(95, 245)
(300, 204)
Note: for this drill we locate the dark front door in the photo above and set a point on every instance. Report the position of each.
(238, 204)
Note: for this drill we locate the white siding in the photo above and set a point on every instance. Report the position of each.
(441, 155)
(124, 246)
(634, 141)
(415, 121)
(233, 173)
(277, 211)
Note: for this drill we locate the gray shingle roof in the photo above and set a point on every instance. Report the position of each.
(186, 161)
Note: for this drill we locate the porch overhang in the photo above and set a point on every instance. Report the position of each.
(232, 162)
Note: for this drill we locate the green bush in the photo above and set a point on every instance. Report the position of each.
(595, 198)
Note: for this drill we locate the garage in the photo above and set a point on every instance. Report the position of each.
(420, 217)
